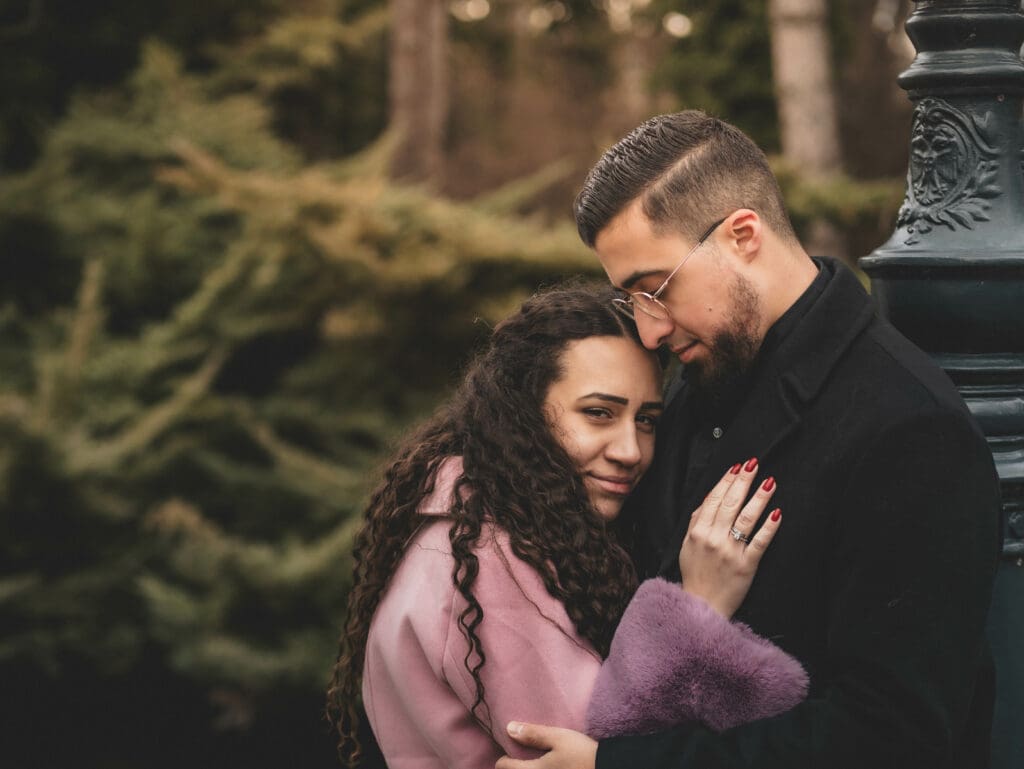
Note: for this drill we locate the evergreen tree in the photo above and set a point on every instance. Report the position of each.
(222, 343)
(215, 319)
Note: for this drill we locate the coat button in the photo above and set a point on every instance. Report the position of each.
(717, 432)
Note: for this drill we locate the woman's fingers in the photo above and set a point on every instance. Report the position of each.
(709, 507)
(737, 493)
(764, 536)
(715, 564)
(726, 508)
(751, 512)
(720, 519)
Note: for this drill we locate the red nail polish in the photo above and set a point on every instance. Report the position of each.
(751, 464)
(769, 484)
(735, 469)
(776, 514)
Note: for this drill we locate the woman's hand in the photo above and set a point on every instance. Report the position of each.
(719, 556)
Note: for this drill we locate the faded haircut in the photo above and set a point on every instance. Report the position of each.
(689, 170)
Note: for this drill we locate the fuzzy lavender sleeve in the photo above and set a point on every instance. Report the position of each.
(676, 660)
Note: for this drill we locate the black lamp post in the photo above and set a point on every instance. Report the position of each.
(951, 277)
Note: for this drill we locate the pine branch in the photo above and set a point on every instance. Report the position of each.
(56, 395)
(93, 456)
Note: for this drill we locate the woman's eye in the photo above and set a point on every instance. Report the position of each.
(647, 422)
(597, 413)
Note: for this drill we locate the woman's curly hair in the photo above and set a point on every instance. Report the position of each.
(516, 475)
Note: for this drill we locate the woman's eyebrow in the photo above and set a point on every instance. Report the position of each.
(605, 397)
(646, 406)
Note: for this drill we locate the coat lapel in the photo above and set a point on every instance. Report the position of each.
(781, 391)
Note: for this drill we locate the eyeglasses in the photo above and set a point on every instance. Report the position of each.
(650, 304)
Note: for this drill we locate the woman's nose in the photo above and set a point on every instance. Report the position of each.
(625, 448)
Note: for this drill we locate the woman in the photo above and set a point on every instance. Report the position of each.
(492, 570)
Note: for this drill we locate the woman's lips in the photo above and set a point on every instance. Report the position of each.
(618, 485)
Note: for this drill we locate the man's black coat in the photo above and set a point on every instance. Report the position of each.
(879, 578)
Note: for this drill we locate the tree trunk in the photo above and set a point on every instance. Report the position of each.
(804, 90)
(630, 99)
(806, 99)
(418, 86)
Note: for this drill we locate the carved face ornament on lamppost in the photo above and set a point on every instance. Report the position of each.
(953, 172)
(951, 277)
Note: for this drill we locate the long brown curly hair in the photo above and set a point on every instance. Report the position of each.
(519, 477)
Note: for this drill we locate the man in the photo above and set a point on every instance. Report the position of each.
(880, 576)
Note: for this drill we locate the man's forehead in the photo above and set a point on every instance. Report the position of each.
(630, 252)
(630, 221)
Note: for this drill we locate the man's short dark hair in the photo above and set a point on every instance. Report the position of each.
(690, 169)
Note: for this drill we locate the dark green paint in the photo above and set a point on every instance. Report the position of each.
(951, 277)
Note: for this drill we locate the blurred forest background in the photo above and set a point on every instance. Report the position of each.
(246, 243)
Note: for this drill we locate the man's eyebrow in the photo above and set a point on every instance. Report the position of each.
(637, 276)
(646, 406)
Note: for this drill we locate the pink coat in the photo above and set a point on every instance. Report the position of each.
(416, 688)
(418, 693)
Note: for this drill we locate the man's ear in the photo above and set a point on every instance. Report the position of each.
(744, 232)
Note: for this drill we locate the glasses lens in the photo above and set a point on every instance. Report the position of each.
(649, 305)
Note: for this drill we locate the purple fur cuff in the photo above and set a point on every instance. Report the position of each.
(676, 660)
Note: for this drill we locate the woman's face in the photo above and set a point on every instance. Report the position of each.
(603, 411)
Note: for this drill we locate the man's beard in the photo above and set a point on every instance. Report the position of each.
(721, 378)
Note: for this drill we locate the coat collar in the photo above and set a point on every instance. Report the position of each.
(805, 359)
(795, 373)
(784, 383)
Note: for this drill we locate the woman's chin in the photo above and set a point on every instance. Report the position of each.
(607, 507)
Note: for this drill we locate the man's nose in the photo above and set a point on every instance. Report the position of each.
(653, 332)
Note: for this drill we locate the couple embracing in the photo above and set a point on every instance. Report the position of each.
(784, 562)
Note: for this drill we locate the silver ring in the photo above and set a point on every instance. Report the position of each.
(738, 535)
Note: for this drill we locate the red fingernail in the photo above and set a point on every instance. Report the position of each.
(776, 514)
(735, 469)
(751, 464)
(769, 484)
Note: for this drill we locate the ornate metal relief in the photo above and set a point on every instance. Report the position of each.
(1013, 547)
(953, 170)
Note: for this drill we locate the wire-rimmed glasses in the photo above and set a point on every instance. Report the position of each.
(650, 304)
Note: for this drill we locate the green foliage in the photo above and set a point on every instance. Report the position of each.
(217, 315)
(203, 391)
(53, 47)
(863, 209)
(322, 79)
(848, 203)
(721, 66)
